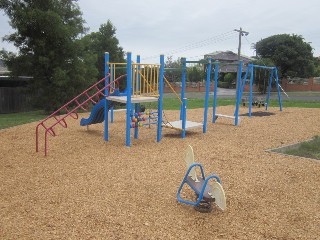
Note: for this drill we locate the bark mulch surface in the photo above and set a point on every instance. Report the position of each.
(87, 188)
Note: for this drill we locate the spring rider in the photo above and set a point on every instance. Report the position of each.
(206, 192)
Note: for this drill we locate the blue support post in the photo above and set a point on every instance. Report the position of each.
(269, 88)
(278, 88)
(251, 86)
(244, 81)
(183, 82)
(159, 128)
(184, 117)
(137, 105)
(111, 114)
(106, 110)
(216, 76)
(236, 114)
(206, 102)
(128, 105)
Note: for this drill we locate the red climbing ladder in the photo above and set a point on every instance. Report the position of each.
(74, 105)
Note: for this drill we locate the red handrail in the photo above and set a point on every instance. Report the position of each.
(61, 119)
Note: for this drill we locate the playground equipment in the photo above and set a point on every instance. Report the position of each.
(183, 125)
(144, 83)
(206, 192)
(273, 76)
(215, 115)
(92, 94)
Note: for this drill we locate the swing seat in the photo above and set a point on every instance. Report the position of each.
(208, 192)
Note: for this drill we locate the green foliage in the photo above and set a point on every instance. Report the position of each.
(317, 67)
(46, 33)
(262, 76)
(227, 80)
(292, 56)
(223, 84)
(195, 74)
(173, 70)
(229, 77)
(98, 43)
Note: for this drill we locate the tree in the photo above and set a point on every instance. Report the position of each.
(261, 75)
(195, 74)
(317, 67)
(103, 41)
(46, 34)
(290, 53)
(173, 69)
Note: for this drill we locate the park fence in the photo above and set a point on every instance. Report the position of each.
(13, 100)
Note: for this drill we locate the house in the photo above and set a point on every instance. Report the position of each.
(229, 61)
(12, 99)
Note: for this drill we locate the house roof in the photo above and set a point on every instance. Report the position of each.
(227, 56)
(231, 60)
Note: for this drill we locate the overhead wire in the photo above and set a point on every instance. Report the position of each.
(219, 38)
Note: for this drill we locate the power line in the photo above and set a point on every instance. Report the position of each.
(219, 38)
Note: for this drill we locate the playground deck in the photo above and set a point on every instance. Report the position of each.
(178, 125)
(89, 189)
(140, 99)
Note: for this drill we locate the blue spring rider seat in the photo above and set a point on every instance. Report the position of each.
(206, 192)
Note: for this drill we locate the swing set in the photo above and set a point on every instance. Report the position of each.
(241, 82)
(273, 78)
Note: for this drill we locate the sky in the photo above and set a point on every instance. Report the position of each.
(191, 29)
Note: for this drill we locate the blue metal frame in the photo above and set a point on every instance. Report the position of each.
(273, 74)
(278, 88)
(183, 83)
(106, 110)
(244, 80)
(185, 180)
(251, 87)
(184, 117)
(137, 105)
(269, 88)
(206, 102)
(128, 105)
(216, 77)
(236, 113)
(160, 100)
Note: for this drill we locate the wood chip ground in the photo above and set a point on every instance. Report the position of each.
(87, 188)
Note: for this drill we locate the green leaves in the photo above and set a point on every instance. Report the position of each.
(290, 54)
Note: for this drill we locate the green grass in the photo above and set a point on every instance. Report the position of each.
(174, 104)
(298, 104)
(169, 103)
(14, 119)
(310, 149)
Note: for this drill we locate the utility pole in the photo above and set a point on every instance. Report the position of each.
(241, 33)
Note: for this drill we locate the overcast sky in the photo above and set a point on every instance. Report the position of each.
(192, 28)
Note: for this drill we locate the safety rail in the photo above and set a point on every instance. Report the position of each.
(61, 119)
(145, 78)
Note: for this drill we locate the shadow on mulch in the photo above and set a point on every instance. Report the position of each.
(259, 114)
(177, 134)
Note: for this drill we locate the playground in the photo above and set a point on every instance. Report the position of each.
(87, 188)
(119, 178)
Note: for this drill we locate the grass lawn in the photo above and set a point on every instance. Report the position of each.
(310, 149)
(169, 103)
(14, 119)
(173, 103)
